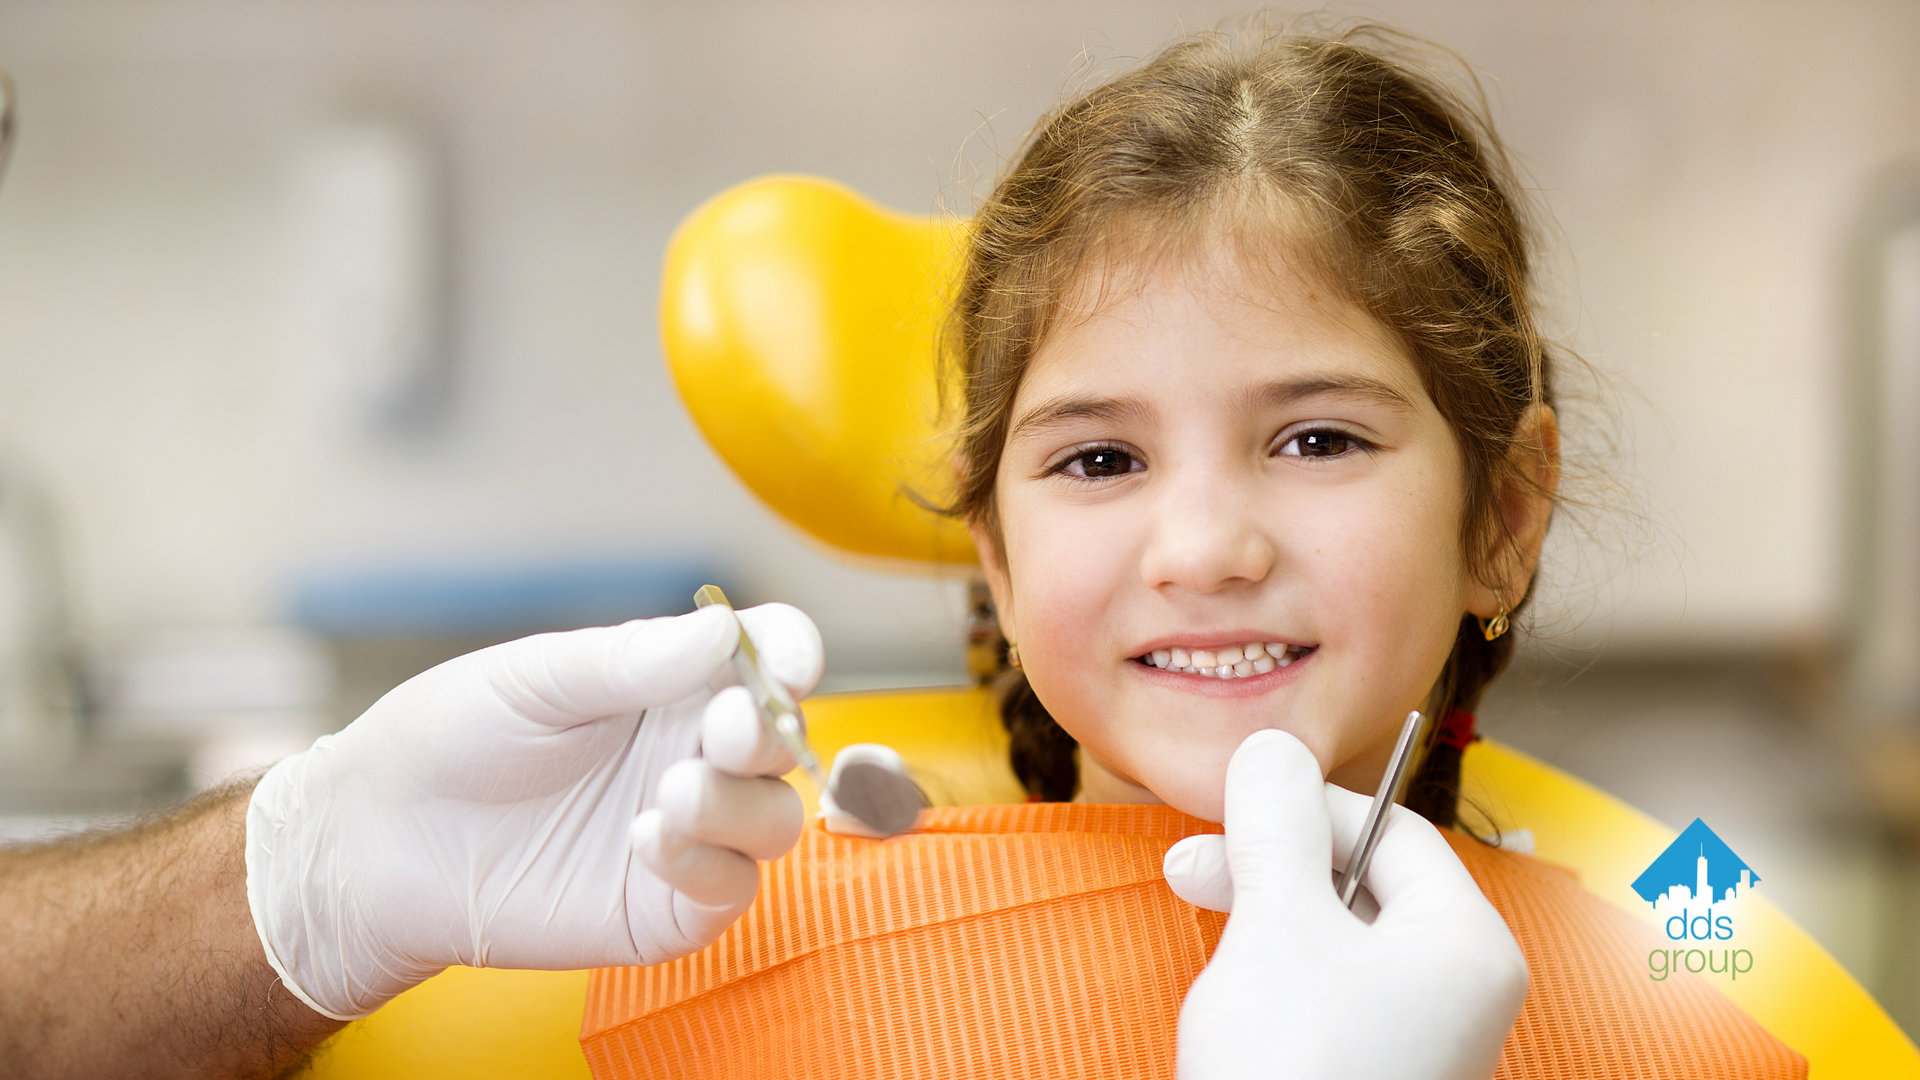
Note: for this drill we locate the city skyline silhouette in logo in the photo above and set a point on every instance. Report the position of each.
(1679, 871)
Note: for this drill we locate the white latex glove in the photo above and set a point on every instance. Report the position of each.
(1300, 986)
(564, 801)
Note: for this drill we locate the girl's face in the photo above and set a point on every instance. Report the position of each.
(1205, 459)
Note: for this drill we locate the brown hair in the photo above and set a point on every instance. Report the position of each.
(1394, 185)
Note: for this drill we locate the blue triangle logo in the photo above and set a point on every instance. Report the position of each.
(1679, 865)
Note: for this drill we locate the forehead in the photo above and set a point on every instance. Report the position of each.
(1217, 317)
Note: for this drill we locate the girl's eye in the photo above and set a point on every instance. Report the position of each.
(1321, 443)
(1100, 462)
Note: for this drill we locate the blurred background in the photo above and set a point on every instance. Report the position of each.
(328, 350)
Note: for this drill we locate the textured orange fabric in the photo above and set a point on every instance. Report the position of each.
(1041, 940)
(983, 944)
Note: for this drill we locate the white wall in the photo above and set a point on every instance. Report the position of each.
(1702, 161)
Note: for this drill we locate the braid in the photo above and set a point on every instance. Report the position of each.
(1040, 750)
(1434, 791)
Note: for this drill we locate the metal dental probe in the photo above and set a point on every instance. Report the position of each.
(1383, 801)
(883, 799)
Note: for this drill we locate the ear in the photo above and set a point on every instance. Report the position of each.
(1524, 503)
(995, 566)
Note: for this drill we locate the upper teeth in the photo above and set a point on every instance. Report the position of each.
(1232, 662)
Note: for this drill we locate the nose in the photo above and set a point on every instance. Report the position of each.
(1206, 536)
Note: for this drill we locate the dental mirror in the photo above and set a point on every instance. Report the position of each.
(869, 793)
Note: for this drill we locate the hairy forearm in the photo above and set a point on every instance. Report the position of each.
(132, 954)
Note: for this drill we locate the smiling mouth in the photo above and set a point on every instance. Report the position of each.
(1232, 662)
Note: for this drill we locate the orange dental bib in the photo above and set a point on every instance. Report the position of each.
(1041, 940)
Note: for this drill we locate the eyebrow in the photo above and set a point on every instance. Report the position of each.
(1293, 391)
(1067, 410)
(1275, 394)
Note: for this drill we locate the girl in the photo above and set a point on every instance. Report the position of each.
(1258, 433)
(1259, 425)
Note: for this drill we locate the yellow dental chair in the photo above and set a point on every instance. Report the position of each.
(799, 322)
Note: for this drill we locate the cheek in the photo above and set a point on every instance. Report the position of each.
(1385, 575)
(1071, 571)
(1389, 588)
(1067, 570)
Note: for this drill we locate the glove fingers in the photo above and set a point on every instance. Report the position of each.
(1426, 894)
(703, 924)
(1196, 870)
(569, 678)
(713, 878)
(735, 739)
(1412, 863)
(1278, 839)
(758, 817)
(1415, 872)
(789, 645)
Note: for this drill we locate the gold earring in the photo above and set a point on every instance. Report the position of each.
(1013, 657)
(1497, 625)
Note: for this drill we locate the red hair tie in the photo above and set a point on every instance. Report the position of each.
(1456, 730)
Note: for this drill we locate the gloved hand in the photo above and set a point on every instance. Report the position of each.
(1300, 986)
(564, 801)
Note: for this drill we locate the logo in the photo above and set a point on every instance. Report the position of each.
(1696, 885)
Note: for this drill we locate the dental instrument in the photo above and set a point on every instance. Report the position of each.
(873, 788)
(1383, 800)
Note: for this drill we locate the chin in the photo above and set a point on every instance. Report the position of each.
(1206, 800)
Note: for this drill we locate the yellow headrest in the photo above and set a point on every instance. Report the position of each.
(799, 322)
